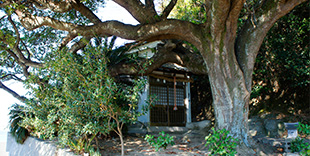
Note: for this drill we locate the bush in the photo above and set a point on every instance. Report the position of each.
(162, 140)
(220, 143)
(299, 145)
(81, 100)
(304, 129)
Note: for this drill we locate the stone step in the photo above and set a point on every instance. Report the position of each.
(168, 129)
(156, 129)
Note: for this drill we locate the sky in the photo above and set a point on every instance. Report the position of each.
(111, 11)
(7, 100)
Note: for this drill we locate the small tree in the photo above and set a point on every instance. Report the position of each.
(80, 99)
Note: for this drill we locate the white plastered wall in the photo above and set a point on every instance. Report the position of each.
(188, 102)
(142, 102)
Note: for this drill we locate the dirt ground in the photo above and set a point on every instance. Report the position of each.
(137, 146)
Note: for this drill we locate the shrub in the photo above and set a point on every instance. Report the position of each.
(219, 142)
(299, 145)
(81, 100)
(304, 129)
(162, 141)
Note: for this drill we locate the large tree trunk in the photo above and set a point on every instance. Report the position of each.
(230, 102)
(230, 58)
(228, 85)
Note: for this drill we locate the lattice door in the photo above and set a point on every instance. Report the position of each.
(162, 113)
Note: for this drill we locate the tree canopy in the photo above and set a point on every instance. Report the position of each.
(228, 40)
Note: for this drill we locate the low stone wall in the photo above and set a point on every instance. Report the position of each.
(34, 147)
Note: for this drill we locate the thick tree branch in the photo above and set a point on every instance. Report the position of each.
(31, 22)
(168, 29)
(251, 36)
(222, 19)
(168, 9)
(87, 13)
(218, 16)
(232, 20)
(169, 53)
(139, 11)
(13, 93)
(61, 6)
(149, 3)
(25, 67)
(20, 58)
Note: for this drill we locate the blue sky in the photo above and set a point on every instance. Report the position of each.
(112, 11)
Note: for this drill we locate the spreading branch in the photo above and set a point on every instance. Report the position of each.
(168, 29)
(21, 58)
(13, 93)
(56, 6)
(139, 11)
(11, 77)
(169, 53)
(168, 9)
(149, 3)
(85, 11)
(251, 36)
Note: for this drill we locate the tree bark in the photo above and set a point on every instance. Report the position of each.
(229, 92)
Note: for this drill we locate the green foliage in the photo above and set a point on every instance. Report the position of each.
(80, 99)
(305, 152)
(79, 145)
(299, 145)
(17, 113)
(304, 129)
(92, 152)
(282, 65)
(220, 143)
(190, 10)
(162, 141)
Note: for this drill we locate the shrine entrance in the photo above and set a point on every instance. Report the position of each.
(170, 107)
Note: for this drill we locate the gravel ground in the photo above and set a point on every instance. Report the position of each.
(137, 146)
